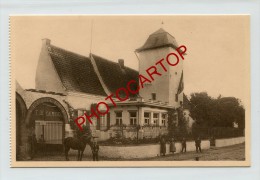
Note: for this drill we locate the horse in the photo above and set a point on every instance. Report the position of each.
(77, 144)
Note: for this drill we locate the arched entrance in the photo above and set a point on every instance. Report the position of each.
(21, 139)
(46, 123)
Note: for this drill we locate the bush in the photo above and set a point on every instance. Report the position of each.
(129, 141)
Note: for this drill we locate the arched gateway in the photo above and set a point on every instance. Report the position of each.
(21, 111)
(46, 120)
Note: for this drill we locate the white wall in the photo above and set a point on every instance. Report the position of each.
(47, 77)
(160, 84)
(168, 82)
(229, 141)
(141, 151)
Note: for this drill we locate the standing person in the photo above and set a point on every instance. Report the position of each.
(95, 149)
(198, 144)
(41, 139)
(183, 143)
(172, 146)
(32, 143)
(163, 146)
(41, 143)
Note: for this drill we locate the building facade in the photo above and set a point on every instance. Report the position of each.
(69, 84)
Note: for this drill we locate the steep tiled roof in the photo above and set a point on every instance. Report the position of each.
(160, 38)
(115, 76)
(78, 74)
(75, 71)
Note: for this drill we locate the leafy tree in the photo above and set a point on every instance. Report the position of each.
(216, 112)
(172, 119)
(183, 124)
(230, 110)
(202, 109)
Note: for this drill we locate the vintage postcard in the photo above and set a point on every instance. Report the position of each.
(130, 90)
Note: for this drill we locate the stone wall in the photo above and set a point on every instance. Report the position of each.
(229, 141)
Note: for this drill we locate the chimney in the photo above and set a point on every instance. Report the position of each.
(46, 41)
(121, 63)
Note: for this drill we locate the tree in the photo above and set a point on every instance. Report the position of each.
(202, 108)
(216, 112)
(230, 110)
(172, 122)
(183, 124)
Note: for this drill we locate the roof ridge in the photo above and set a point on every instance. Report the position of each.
(161, 30)
(103, 84)
(159, 38)
(164, 31)
(51, 45)
(113, 62)
(172, 36)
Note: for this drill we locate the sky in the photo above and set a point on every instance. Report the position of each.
(217, 59)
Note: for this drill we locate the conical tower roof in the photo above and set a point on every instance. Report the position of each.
(158, 39)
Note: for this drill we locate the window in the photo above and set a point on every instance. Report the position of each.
(146, 118)
(164, 117)
(156, 118)
(153, 96)
(102, 119)
(94, 121)
(176, 97)
(118, 118)
(133, 118)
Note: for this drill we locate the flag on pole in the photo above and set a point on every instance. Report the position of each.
(181, 84)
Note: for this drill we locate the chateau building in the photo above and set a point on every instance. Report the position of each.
(69, 84)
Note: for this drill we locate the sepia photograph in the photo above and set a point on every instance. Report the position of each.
(130, 91)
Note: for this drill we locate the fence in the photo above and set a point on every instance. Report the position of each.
(132, 131)
(154, 131)
(206, 133)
